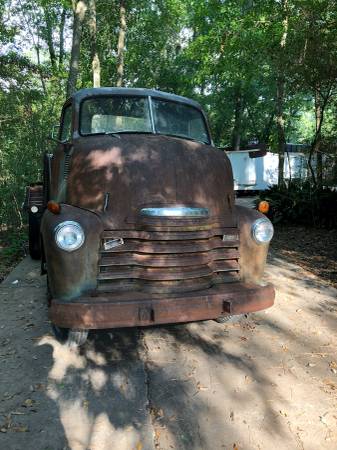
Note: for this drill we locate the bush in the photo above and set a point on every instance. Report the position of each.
(302, 204)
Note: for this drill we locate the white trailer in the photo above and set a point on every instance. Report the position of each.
(258, 173)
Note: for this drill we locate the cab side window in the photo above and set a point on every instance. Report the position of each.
(66, 124)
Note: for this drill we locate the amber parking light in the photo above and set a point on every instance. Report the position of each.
(263, 207)
(54, 207)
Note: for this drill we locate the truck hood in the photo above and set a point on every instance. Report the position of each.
(118, 176)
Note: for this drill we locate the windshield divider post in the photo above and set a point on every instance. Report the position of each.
(151, 115)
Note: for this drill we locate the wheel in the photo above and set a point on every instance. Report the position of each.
(76, 338)
(34, 236)
(70, 337)
(230, 319)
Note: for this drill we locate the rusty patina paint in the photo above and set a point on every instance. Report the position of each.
(137, 309)
(140, 171)
(168, 269)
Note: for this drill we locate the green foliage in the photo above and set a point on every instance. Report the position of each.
(26, 120)
(12, 249)
(300, 203)
(224, 54)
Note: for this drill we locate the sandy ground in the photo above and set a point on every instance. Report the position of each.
(269, 381)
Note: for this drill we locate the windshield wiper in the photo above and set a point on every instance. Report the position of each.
(103, 133)
(181, 136)
(116, 134)
(133, 131)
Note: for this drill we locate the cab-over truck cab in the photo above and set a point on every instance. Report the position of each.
(139, 223)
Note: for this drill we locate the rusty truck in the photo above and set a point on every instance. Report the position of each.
(135, 221)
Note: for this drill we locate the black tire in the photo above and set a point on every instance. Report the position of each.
(72, 338)
(34, 236)
(61, 334)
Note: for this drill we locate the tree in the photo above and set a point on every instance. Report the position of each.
(95, 62)
(79, 9)
(121, 43)
(316, 67)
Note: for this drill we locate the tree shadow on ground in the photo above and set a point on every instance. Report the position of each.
(204, 385)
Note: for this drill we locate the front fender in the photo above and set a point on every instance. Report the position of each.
(70, 274)
(253, 256)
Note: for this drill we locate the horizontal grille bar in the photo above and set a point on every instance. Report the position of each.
(172, 247)
(170, 235)
(167, 260)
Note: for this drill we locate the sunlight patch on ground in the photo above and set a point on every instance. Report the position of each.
(85, 390)
(64, 357)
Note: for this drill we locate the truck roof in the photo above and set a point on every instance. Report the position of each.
(141, 92)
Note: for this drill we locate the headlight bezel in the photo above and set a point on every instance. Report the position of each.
(255, 229)
(79, 235)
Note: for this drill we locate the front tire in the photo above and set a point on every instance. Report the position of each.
(231, 318)
(71, 337)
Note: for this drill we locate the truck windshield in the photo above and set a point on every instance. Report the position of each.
(116, 114)
(178, 119)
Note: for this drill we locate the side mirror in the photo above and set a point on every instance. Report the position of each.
(55, 132)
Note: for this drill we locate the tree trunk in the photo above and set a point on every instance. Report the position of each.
(316, 144)
(121, 43)
(61, 45)
(236, 136)
(280, 85)
(95, 63)
(49, 38)
(317, 149)
(319, 161)
(281, 140)
(79, 9)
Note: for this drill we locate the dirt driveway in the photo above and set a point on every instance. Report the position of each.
(267, 382)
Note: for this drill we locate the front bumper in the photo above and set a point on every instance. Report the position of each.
(140, 309)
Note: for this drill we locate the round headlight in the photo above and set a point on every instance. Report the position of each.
(69, 235)
(262, 231)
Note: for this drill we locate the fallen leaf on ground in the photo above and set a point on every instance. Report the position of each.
(248, 379)
(27, 403)
(85, 404)
(20, 429)
(200, 387)
(332, 385)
